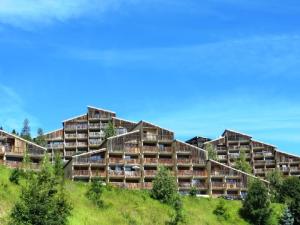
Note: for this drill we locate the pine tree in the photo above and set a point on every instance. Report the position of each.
(25, 133)
(287, 217)
(164, 186)
(212, 154)
(40, 139)
(242, 164)
(256, 207)
(43, 200)
(110, 130)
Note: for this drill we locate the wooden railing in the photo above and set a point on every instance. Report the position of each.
(150, 149)
(116, 160)
(132, 173)
(81, 172)
(97, 173)
(150, 160)
(116, 173)
(200, 173)
(184, 184)
(149, 173)
(165, 161)
(185, 172)
(217, 184)
(132, 161)
(133, 185)
(184, 161)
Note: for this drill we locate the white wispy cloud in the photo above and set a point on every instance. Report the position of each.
(13, 112)
(26, 13)
(270, 55)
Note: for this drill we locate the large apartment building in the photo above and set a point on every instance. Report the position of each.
(262, 157)
(13, 148)
(132, 157)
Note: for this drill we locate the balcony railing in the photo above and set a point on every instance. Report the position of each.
(166, 149)
(55, 146)
(184, 184)
(184, 161)
(165, 161)
(132, 173)
(116, 173)
(292, 168)
(165, 137)
(81, 173)
(216, 184)
(150, 137)
(132, 149)
(82, 144)
(95, 142)
(96, 173)
(70, 144)
(70, 153)
(70, 135)
(132, 161)
(150, 149)
(116, 160)
(222, 157)
(199, 161)
(94, 126)
(185, 172)
(200, 173)
(82, 136)
(150, 160)
(133, 185)
(148, 185)
(150, 173)
(200, 185)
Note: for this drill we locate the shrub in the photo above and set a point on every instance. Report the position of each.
(287, 217)
(15, 176)
(193, 191)
(221, 210)
(256, 207)
(164, 186)
(290, 194)
(95, 191)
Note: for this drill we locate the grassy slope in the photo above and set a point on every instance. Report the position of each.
(126, 207)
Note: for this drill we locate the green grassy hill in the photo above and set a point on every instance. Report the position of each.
(126, 207)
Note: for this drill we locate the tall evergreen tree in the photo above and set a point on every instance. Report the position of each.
(43, 200)
(14, 132)
(256, 207)
(25, 133)
(212, 154)
(110, 130)
(40, 139)
(287, 217)
(242, 164)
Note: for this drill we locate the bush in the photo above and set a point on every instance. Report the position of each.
(164, 186)
(221, 210)
(290, 194)
(256, 207)
(95, 191)
(193, 191)
(276, 179)
(15, 176)
(287, 217)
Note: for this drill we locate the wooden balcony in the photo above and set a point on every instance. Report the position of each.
(184, 161)
(55, 146)
(166, 137)
(200, 173)
(200, 162)
(97, 173)
(70, 153)
(81, 173)
(116, 173)
(148, 185)
(200, 185)
(132, 149)
(166, 150)
(70, 136)
(150, 173)
(150, 161)
(133, 185)
(165, 161)
(150, 149)
(217, 185)
(132, 173)
(132, 161)
(150, 137)
(116, 160)
(184, 185)
(185, 173)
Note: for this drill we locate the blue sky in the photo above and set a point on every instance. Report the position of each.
(196, 67)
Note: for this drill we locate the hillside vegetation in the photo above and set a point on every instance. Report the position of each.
(128, 207)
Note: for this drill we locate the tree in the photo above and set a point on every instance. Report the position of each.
(287, 217)
(193, 191)
(178, 207)
(290, 194)
(40, 139)
(42, 201)
(256, 207)
(276, 179)
(212, 154)
(242, 164)
(95, 191)
(164, 186)
(25, 133)
(221, 211)
(1, 128)
(14, 132)
(110, 130)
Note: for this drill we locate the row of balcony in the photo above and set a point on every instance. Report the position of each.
(85, 126)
